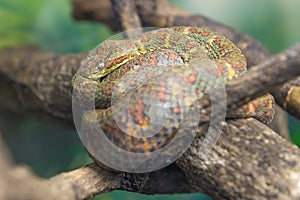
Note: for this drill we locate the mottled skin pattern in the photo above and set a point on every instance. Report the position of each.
(164, 47)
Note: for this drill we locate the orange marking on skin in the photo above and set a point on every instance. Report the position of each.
(161, 36)
(147, 146)
(204, 33)
(193, 30)
(141, 119)
(249, 108)
(176, 110)
(193, 77)
(149, 75)
(217, 40)
(253, 106)
(119, 60)
(173, 56)
(189, 45)
(199, 92)
(177, 28)
(177, 37)
(143, 63)
(132, 81)
(256, 103)
(162, 94)
(153, 60)
(222, 47)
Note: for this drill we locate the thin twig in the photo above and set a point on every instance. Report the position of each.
(125, 12)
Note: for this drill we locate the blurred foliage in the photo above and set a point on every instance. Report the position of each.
(49, 25)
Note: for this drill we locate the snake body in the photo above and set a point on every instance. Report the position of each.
(170, 47)
(188, 43)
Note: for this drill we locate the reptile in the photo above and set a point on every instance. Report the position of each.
(171, 48)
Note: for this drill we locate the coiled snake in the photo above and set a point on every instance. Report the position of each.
(174, 47)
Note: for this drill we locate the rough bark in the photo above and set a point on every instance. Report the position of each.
(271, 171)
(38, 82)
(255, 152)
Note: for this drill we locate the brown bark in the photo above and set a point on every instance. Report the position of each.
(288, 96)
(126, 13)
(38, 82)
(271, 171)
(244, 164)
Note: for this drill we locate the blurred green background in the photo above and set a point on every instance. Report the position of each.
(49, 149)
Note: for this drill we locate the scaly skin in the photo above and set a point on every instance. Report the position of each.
(172, 47)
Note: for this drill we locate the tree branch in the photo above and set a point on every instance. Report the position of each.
(264, 77)
(271, 170)
(288, 96)
(249, 161)
(41, 82)
(126, 13)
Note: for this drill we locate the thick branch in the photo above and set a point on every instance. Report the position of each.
(249, 161)
(41, 82)
(84, 183)
(265, 77)
(271, 170)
